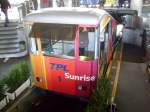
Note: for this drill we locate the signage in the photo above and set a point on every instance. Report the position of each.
(58, 67)
(69, 76)
(79, 77)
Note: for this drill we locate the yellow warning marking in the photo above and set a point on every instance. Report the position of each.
(116, 79)
(117, 75)
(108, 70)
(104, 22)
(114, 56)
(110, 64)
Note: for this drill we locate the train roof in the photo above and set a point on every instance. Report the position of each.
(87, 16)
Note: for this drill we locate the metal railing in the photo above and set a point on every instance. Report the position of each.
(24, 9)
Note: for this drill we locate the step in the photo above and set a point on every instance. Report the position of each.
(8, 32)
(9, 41)
(14, 55)
(9, 24)
(8, 51)
(7, 28)
(6, 37)
(7, 46)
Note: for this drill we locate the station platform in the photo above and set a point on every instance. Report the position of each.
(133, 91)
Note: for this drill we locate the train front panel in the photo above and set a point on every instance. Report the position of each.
(63, 58)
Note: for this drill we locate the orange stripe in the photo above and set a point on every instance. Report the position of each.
(42, 59)
(44, 71)
(104, 22)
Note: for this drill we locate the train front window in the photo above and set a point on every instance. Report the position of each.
(57, 40)
(87, 43)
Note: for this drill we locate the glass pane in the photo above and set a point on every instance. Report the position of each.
(87, 43)
(33, 46)
(56, 40)
(146, 9)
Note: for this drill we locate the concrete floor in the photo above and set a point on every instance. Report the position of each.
(6, 66)
(132, 53)
(133, 94)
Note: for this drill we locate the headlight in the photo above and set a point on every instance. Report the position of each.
(81, 87)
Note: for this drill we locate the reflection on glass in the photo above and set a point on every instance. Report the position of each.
(86, 43)
(56, 40)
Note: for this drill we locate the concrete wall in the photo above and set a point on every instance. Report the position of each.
(68, 3)
(137, 5)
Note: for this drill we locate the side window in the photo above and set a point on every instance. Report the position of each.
(104, 35)
(114, 35)
(87, 43)
(56, 40)
(106, 38)
(110, 27)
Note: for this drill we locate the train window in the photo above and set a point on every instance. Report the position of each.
(87, 43)
(114, 35)
(104, 36)
(32, 39)
(110, 27)
(107, 36)
(106, 42)
(33, 45)
(57, 40)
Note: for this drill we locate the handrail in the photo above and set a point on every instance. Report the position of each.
(23, 9)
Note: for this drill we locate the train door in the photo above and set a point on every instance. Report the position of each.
(86, 63)
(58, 50)
(37, 61)
(53, 58)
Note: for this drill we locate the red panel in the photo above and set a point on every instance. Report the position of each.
(88, 68)
(113, 24)
(55, 70)
(64, 75)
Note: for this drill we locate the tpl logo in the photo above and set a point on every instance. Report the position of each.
(58, 67)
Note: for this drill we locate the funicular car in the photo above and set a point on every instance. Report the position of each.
(68, 48)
